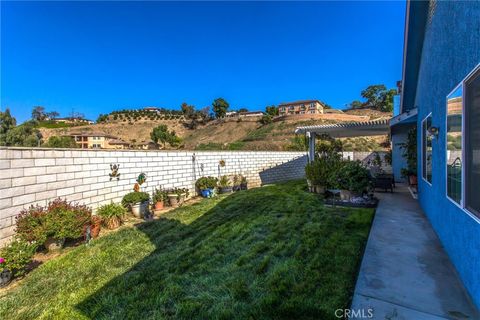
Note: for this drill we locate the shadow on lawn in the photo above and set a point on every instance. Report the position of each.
(268, 253)
(189, 274)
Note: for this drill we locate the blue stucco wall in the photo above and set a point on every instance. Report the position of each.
(451, 50)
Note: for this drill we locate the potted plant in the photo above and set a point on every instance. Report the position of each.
(224, 184)
(353, 180)
(318, 173)
(52, 224)
(111, 215)
(95, 226)
(5, 274)
(159, 197)
(207, 186)
(14, 259)
(236, 183)
(63, 220)
(137, 202)
(243, 183)
(177, 196)
(410, 154)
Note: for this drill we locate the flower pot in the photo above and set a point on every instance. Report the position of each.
(236, 188)
(114, 223)
(207, 193)
(345, 195)
(5, 277)
(174, 200)
(159, 205)
(181, 198)
(53, 244)
(243, 186)
(95, 230)
(139, 209)
(225, 189)
(319, 189)
(412, 180)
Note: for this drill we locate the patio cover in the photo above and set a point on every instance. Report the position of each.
(342, 130)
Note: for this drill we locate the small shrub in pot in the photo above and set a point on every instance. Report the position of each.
(243, 183)
(206, 186)
(53, 224)
(159, 198)
(225, 185)
(112, 215)
(177, 196)
(137, 202)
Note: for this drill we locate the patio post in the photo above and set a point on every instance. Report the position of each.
(311, 146)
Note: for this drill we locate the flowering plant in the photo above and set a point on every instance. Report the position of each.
(2, 261)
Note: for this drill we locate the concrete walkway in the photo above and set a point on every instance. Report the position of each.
(405, 273)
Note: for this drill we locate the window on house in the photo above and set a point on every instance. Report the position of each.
(454, 145)
(427, 149)
(472, 142)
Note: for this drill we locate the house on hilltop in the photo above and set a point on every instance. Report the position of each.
(300, 107)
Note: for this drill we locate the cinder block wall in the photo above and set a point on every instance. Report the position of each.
(30, 176)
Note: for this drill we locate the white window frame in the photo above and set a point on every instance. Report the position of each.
(460, 205)
(422, 153)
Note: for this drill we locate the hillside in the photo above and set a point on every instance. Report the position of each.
(230, 134)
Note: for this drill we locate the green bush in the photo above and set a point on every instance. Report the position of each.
(224, 182)
(134, 197)
(59, 219)
(159, 195)
(17, 255)
(111, 210)
(353, 177)
(206, 183)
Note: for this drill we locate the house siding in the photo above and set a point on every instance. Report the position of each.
(451, 50)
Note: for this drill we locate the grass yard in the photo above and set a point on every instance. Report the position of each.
(268, 253)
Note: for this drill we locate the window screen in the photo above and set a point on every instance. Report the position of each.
(427, 149)
(454, 145)
(472, 143)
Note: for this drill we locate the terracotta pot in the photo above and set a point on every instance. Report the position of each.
(54, 244)
(114, 223)
(5, 277)
(159, 205)
(95, 230)
(413, 181)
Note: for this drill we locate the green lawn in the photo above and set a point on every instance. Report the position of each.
(268, 253)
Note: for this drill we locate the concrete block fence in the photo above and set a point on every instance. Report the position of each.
(31, 176)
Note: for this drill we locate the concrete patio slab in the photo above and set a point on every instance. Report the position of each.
(405, 273)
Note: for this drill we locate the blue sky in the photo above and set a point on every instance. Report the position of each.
(98, 57)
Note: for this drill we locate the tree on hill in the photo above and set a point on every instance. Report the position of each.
(7, 122)
(326, 105)
(377, 97)
(188, 110)
(220, 107)
(161, 134)
(271, 110)
(52, 115)
(38, 113)
(25, 135)
(60, 142)
(103, 117)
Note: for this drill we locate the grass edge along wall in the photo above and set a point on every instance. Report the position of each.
(30, 176)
